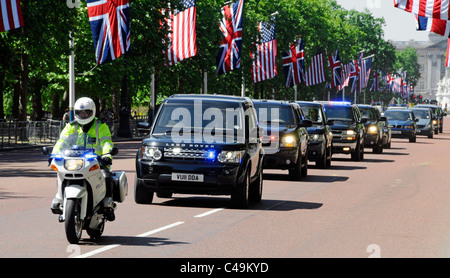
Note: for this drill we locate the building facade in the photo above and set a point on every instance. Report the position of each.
(431, 56)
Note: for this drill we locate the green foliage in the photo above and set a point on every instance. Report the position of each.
(323, 25)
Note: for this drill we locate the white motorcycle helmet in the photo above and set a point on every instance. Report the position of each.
(84, 110)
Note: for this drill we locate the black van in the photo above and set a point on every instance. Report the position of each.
(202, 144)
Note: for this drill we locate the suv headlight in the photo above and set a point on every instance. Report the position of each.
(317, 137)
(151, 153)
(349, 132)
(73, 164)
(373, 129)
(288, 140)
(230, 156)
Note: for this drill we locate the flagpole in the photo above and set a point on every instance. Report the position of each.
(295, 94)
(71, 77)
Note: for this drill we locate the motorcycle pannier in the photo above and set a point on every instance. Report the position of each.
(120, 186)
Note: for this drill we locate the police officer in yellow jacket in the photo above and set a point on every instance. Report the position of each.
(86, 122)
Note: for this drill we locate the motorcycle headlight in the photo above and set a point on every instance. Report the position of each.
(349, 132)
(230, 156)
(435, 122)
(73, 164)
(408, 126)
(151, 153)
(288, 141)
(373, 129)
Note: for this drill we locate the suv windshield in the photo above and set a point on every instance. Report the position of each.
(201, 121)
(339, 113)
(368, 113)
(397, 115)
(312, 113)
(270, 113)
(422, 113)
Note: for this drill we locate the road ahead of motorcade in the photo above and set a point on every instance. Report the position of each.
(394, 204)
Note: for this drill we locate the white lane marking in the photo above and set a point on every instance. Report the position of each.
(109, 247)
(208, 212)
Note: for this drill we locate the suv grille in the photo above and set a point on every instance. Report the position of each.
(186, 154)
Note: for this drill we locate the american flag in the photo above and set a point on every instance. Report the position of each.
(345, 75)
(447, 60)
(11, 15)
(426, 8)
(182, 36)
(437, 26)
(336, 70)
(229, 57)
(364, 73)
(110, 25)
(265, 59)
(316, 71)
(294, 64)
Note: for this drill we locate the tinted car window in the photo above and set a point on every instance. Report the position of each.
(397, 115)
(274, 113)
(368, 113)
(312, 113)
(340, 113)
(201, 117)
(422, 114)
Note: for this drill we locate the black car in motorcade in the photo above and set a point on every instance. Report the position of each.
(438, 115)
(285, 139)
(202, 144)
(425, 124)
(320, 136)
(402, 122)
(377, 129)
(348, 128)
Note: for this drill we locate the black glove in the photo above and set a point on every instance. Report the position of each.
(107, 160)
(50, 161)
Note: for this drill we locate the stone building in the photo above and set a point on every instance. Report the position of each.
(432, 63)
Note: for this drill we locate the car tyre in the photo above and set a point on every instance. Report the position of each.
(255, 194)
(239, 196)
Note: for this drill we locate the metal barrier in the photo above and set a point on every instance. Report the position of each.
(15, 133)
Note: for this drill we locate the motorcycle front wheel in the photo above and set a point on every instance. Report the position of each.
(73, 223)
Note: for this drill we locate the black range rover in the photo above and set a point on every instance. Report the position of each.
(348, 128)
(202, 144)
(285, 139)
(320, 136)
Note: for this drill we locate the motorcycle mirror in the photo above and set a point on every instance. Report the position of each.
(45, 151)
(114, 151)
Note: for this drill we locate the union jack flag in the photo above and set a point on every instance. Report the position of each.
(182, 40)
(110, 25)
(229, 57)
(364, 73)
(376, 82)
(353, 76)
(264, 60)
(336, 70)
(10, 15)
(294, 64)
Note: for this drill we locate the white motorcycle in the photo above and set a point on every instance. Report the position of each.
(81, 200)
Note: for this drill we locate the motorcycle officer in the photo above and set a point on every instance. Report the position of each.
(86, 122)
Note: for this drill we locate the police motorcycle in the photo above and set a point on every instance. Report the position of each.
(81, 200)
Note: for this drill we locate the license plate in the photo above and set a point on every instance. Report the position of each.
(187, 177)
(396, 132)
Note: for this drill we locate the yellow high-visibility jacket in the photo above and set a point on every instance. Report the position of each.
(100, 131)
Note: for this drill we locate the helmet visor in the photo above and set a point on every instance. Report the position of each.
(83, 114)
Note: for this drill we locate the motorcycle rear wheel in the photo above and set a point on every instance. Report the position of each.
(73, 223)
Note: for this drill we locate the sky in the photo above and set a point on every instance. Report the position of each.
(400, 25)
